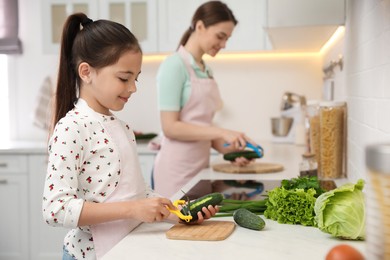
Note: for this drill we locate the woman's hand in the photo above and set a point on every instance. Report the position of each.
(241, 161)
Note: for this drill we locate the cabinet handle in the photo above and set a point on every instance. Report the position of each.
(3, 165)
(3, 181)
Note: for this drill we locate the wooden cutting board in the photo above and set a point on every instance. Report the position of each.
(251, 168)
(209, 230)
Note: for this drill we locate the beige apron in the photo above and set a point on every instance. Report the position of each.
(131, 186)
(177, 162)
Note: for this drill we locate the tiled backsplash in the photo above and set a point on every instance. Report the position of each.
(365, 80)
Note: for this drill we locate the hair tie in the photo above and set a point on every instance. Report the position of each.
(86, 21)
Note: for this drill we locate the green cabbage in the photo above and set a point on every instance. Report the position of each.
(341, 212)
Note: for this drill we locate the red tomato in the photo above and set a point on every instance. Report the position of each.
(344, 252)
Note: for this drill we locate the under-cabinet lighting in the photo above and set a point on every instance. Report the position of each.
(338, 34)
(240, 56)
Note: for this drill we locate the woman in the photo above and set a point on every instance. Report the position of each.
(188, 99)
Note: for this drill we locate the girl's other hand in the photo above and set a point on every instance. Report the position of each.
(208, 213)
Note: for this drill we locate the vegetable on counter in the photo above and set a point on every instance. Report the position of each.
(293, 202)
(193, 207)
(341, 212)
(344, 252)
(247, 219)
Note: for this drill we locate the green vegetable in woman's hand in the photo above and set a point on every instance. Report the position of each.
(341, 212)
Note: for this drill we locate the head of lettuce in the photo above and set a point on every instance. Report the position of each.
(341, 212)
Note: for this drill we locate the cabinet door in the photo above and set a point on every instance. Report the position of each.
(54, 16)
(14, 208)
(146, 161)
(249, 33)
(46, 241)
(174, 18)
(137, 15)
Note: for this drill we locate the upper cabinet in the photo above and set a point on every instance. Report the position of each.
(303, 25)
(137, 15)
(54, 16)
(280, 25)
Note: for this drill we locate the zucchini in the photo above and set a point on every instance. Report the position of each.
(246, 153)
(247, 219)
(145, 136)
(193, 207)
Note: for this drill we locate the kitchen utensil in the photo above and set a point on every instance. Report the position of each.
(258, 149)
(281, 125)
(250, 168)
(209, 230)
(177, 212)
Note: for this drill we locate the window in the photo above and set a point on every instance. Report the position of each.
(4, 113)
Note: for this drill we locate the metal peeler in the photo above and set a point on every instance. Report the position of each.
(177, 211)
(257, 149)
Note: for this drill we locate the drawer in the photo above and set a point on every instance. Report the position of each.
(13, 164)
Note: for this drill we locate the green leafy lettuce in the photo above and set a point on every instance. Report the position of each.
(295, 206)
(341, 212)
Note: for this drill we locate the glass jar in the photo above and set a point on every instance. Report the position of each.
(313, 124)
(308, 165)
(378, 202)
(332, 140)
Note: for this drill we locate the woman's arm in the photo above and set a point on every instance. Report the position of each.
(174, 128)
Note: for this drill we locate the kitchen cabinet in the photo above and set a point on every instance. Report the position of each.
(54, 14)
(158, 24)
(303, 25)
(174, 18)
(137, 15)
(14, 208)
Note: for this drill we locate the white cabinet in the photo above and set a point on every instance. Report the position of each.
(137, 15)
(303, 25)
(157, 24)
(174, 18)
(14, 208)
(54, 14)
(45, 241)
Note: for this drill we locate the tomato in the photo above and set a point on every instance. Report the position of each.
(344, 252)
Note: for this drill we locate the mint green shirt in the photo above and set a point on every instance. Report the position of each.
(173, 82)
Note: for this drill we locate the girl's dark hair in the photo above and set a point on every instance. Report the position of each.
(209, 13)
(99, 43)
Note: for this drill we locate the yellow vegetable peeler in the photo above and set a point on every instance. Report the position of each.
(177, 212)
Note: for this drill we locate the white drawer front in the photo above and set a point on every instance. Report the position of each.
(13, 164)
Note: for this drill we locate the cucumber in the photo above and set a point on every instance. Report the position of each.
(195, 206)
(247, 219)
(246, 153)
(145, 136)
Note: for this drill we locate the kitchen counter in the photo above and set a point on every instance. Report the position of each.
(276, 241)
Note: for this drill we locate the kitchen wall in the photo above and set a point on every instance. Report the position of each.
(251, 87)
(365, 80)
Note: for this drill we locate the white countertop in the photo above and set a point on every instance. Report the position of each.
(276, 241)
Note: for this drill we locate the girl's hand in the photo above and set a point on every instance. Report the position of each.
(208, 213)
(150, 209)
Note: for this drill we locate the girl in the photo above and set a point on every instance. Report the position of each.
(94, 185)
(188, 98)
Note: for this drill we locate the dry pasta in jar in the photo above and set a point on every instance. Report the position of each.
(332, 127)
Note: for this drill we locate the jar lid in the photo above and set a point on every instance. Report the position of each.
(332, 103)
(378, 157)
(308, 155)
